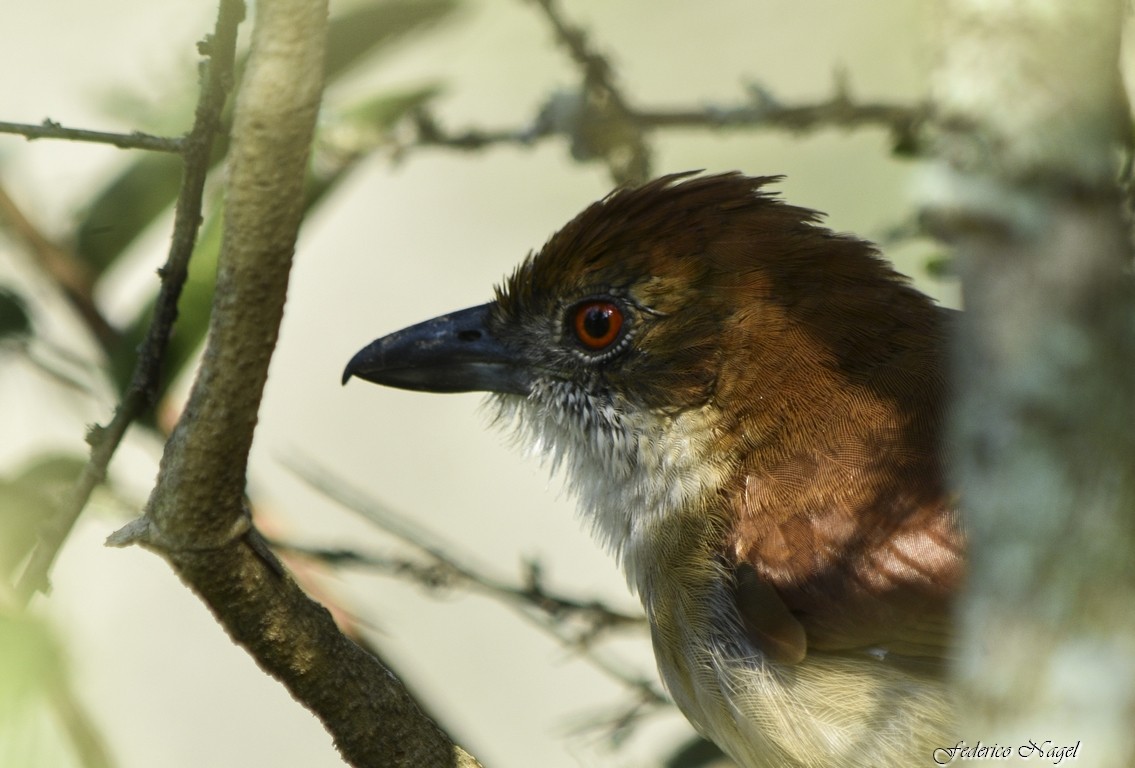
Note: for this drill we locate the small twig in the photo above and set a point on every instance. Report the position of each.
(104, 441)
(762, 112)
(548, 612)
(430, 133)
(443, 571)
(447, 564)
(597, 70)
(447, 568)
(601, 123)
(836, 112)
(619, 724)
(49, 129)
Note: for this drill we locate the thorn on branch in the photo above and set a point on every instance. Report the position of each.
(761, 98)
(842, 82)
(96, 433)
(137, 531)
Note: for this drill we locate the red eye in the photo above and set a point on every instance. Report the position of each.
(597, 323)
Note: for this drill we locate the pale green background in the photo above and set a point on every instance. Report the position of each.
(397, 244)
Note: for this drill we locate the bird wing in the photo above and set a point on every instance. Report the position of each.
(850, 576)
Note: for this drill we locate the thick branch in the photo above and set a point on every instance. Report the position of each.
(195, 516)
(104, 441)
(1031, 112)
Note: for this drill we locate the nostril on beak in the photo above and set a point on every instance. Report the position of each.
(471, 335)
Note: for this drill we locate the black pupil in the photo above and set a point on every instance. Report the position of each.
(597, 322)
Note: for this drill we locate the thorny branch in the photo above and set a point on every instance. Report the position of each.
(760, 112)
(600, 115)
(442, 571)
(575, 624)
(597, 118)
(104, 440)
(554, 614)
(601, 124)
(597, 72)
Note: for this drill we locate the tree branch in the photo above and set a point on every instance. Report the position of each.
(195, 517)
(599, 116)
(1031, 111)
(104, 441)
(577, 625)
(761, 111)
(49, 129)
(448, 567)
(600, 122)
(597, 71)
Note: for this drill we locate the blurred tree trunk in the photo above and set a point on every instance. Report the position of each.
(1032, 114)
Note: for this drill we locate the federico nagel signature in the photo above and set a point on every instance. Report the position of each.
(1037, 750)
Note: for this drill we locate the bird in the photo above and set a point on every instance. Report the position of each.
(749, 410)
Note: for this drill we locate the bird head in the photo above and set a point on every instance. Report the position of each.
(748, 407)
(666, 334)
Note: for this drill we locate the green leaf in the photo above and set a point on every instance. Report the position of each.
(364, 125)
(125, 207)
(941, 266)
(29, 658)
(365, 28)
(30, 498)
(148, 186)
(20, 516)
(381, 112)
(38, 714)
(51, 471)
(14, 318)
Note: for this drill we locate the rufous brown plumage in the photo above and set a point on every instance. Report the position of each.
(749, 409)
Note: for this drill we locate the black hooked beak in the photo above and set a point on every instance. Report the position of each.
(453, 353)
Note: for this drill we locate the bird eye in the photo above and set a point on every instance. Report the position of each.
(597, 323)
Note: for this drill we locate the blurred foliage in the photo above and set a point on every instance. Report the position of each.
(699, 753)
(146, 189)
(41, 723)
(14, 319)
(941, 266)
(32, 496)
(148, 186)
(30, 662)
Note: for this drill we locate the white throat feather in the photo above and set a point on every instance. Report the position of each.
(629, 468)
